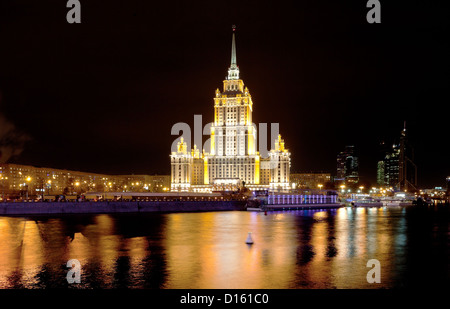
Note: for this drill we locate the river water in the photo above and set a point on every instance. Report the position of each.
(292, 249)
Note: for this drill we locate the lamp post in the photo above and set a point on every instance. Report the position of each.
(28, 179)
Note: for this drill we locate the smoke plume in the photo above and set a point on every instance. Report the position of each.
(12, 140)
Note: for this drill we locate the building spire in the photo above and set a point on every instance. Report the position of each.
(233, 47)
(233, 71)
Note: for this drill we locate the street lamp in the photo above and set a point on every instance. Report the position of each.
(77, 184)
(320, 186)
(28, 179)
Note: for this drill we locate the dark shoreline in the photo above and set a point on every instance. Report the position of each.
(59, 208)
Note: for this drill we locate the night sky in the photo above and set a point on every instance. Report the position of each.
(102, 96)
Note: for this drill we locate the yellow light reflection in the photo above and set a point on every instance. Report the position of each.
(211, 247)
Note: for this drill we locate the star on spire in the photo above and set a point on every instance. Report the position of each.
(233, 71)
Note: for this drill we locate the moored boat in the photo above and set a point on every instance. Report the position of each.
(367, 202)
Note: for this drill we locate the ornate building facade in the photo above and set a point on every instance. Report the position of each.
(233, 160)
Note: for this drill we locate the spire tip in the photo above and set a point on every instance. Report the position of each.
(233, 71)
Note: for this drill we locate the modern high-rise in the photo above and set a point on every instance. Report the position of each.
(347, 166)
(398, 168)
(407, 169)
(233, 159)
(391, 167)
(381, 175)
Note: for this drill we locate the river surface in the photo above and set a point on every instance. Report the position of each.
(292, 249)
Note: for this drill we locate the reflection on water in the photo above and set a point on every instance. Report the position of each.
(292, 249)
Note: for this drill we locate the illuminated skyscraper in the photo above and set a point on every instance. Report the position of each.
(391, 167)
(381, 174)
(407, 169)
(398, 167)
(233, 136)
(233, 159)
(347, 166)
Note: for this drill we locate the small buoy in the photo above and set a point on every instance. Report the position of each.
(249, 240)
